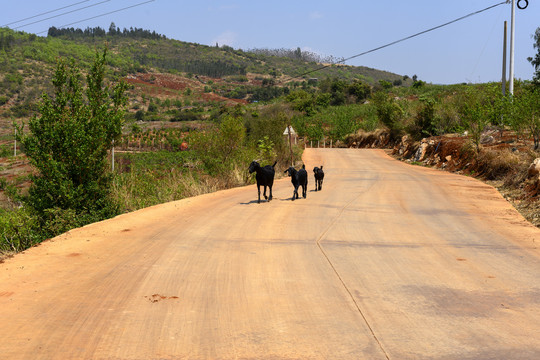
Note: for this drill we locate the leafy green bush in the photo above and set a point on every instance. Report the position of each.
(187, 115)
(360, 90)
(311, 127)
(425, 123)
(139, 115)
(152, 107)
(368, 115)
(267, 152)
(19, 230)
(149, 178)
(269, 122)
(69, 142)
(219, 148)
(389, 113)
(521, 111)
(447, 119)
(266, 93)
(477, 111)
(6, 150)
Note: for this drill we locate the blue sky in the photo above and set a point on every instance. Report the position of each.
(466, 51)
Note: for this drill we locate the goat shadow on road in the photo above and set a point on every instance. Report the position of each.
(254, 202)
(266, 201)
(290, 199)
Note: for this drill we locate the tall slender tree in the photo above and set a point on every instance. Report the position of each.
(69, 141)
(535, 61)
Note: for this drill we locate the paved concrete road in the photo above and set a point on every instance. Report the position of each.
(388, 261)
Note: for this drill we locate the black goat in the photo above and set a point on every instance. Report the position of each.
(265, 177)
(319, 176)
(298, 178)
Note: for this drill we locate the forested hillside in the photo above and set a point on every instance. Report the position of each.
(26, 62)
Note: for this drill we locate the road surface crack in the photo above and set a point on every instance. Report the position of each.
(323, 234)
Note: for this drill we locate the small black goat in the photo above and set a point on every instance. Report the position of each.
(319, 176)
(265, 177)
(298, 178)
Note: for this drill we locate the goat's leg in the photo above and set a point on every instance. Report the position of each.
(259, 192)
(316, 182)
(304, 191)
(270, 190)
(320, 184)
(266, 197)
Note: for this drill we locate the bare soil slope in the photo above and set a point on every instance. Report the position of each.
(389, 261)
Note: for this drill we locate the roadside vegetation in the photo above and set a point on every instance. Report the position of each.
(130, 126)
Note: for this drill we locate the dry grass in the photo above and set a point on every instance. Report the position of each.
(527, 207)
(506, 165)
(5, 255)
(362, 139)
(134, 192)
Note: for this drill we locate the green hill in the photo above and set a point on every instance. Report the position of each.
(220, 72)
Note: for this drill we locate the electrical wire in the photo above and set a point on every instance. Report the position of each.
(397, 41)
(108, 13)
(495, 23)
(45, 13)
(67, 12)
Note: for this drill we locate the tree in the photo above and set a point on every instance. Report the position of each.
(523, 112)
(360, 90)
(112, 29)
(536, 60)
(389, 113)
(385, 84)
(219, 148)
(69, 141)
(337, 88)
(476, 112)
(298, 53)
(424, 123)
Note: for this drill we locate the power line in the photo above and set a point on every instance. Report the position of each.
(398, 41)
(495, 23)
(62, 14)
(108, 13)
(45, 13)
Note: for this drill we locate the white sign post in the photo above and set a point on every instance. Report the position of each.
(290, 131)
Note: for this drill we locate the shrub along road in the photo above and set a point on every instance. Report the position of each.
(389, 261)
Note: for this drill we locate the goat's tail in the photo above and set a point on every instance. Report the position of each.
(321, 167)
(274, 164)
(303, 166)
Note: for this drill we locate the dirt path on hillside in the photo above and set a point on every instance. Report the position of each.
(389, 261)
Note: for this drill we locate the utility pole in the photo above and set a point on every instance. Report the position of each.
(522, 5)
(504, 60)
(512, 36)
